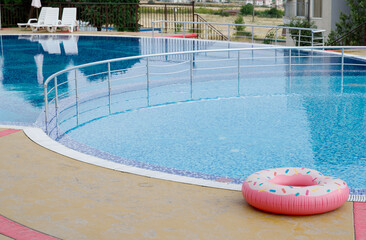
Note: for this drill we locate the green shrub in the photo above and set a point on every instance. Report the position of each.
(222, 13)
(305, 38)
(270, 13)
(269, 38)
(123, 17)
(240, 30)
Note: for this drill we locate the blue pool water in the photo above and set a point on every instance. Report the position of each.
(216, 126)
(232, 136)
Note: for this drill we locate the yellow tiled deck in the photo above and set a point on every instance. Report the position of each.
(69, 199)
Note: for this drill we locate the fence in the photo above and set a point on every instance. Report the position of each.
(11, 14)
(156, 70)
(238, 32)
(104, 16)
(167, 12)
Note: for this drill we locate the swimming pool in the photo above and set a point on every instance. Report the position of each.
(211, 123)
(218, 126)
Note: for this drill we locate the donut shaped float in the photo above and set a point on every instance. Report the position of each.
(294, 191)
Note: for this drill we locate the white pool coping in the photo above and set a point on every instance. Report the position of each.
(38, 136)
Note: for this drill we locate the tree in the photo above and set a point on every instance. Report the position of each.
(122, 17)
(247, 9)
(346, 23)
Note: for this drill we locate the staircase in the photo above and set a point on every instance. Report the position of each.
(207, 31)
(355, 37)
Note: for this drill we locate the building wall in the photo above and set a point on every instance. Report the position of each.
(338, 7)
(330, 13)
(325, 21)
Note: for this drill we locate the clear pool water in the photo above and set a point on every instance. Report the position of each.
(213, 128)
(234, 136)
(224, 127)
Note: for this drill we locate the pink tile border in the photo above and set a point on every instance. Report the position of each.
(359, 213)
(8, 131)
(17, 231)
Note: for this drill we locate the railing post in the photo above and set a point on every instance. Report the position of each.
(109, 78)
(289, 60)
(153, 28)
(76, 98)
(312, 38)
(238, 73)
(342, 69)
(191, 73)
(206, 34)
(252, 35)
(193, 26)
(76, 89)
(161, 28)
(166, 18)
(56, 100)
(299, 41)
(364, 33)
(184, 30)
(276, 36)
(147, 81)
(106, 17)
(228, 32)
(109, 85)
(45, 107)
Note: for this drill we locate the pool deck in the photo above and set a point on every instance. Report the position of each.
(68, 199)
(44, 192)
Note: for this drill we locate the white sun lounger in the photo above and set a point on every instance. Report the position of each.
(68, 20)
(40, 20)
(50, 20)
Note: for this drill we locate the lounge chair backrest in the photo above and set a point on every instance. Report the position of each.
(51, 16)
(69, 16)
(42, 15)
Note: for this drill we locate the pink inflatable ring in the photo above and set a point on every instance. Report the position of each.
(294, 191)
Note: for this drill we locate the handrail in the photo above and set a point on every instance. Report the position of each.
(252, 26)
(338, 40)
(246, 25)
(192, 62)
(223, 37)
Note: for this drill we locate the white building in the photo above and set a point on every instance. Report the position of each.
(267, 3)
(324, 13)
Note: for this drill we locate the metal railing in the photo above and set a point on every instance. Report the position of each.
(277, 35)
(211, 32)
(165, 11)
(11, 14)
(72, 89)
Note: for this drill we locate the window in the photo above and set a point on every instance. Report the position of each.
(317, 8)
(300, 8)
